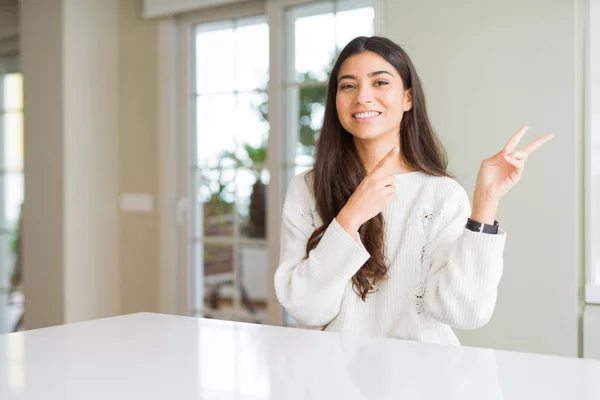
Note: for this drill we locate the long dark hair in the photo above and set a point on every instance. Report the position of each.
(335, 152)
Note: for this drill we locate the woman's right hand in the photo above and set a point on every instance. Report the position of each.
(377, 190)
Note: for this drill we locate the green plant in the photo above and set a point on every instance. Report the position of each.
(312, 101)
(217, 205)
(257, 212)
(254, 158)
(15, 238)
(15, 241)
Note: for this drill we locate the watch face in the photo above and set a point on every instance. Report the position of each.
(490, 229)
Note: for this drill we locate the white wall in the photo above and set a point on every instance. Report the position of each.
(489, 67)
(591, 332)
(43, 255)
(90, 68)
(91, 132)
(71, 220)
(9, 21)
(9, 28)
(138, 155)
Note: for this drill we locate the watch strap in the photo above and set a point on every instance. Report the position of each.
(481, 227)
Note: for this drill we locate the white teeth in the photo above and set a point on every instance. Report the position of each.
(367, 114)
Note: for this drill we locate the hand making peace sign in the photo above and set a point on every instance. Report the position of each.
(499, 173)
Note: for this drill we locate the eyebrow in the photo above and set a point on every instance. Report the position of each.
(370, 75)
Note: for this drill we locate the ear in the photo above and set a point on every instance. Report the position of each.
(407, 102)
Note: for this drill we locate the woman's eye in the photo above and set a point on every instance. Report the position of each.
(381, 83)
(347, 86)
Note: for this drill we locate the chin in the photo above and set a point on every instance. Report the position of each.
(365, 133)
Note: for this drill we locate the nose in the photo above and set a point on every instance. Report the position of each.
(364, 95)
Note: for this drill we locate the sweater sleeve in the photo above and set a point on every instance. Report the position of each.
(311, 288)
(465, 271)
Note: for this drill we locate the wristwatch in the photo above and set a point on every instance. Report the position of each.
(476, 226)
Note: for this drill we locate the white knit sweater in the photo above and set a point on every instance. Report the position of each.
(441, 275)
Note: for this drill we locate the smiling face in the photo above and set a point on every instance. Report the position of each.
(371, 98)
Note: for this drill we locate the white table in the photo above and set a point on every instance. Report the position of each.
(153, 356)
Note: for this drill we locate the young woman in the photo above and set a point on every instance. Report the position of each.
(378, 239)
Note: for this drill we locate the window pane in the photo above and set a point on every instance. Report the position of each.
(10, 312)
(13, 197)
(216, 201)
(13, 140)
(253, 261)
(218, 259)
(7, 256)
(315, 46)
(230, 177)
(252, 55)
(352, 23)
(215, 132)
(310, 119)
(226, 124)
(252, 126)
(306, 109)
(252, 203)
(11, 305)
(215, 56)
(13, 92)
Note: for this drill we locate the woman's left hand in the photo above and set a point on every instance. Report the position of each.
(499, 173)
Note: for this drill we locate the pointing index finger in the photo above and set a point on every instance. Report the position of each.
(385, 160)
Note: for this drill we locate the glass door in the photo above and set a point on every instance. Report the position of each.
(229, 174)
(11, 194)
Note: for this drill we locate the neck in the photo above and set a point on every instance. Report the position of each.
(371, 152)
